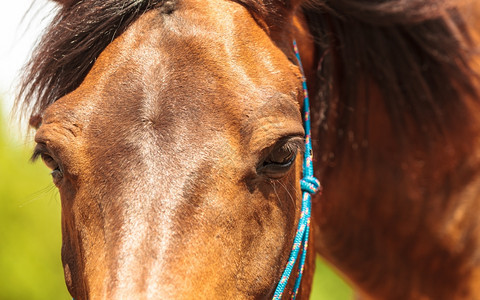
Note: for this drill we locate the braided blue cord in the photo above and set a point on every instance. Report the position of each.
(309, 186)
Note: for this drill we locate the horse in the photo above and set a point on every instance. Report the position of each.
(174, 135)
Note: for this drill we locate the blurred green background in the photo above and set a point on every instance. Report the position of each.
(30, 264)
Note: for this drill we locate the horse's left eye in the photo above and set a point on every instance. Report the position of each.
(280, 159)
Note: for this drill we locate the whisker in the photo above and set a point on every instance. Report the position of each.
(293, 199)
(275, 191)
(39, 195)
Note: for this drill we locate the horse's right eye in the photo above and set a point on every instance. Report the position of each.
(49, 161)
(56, 173)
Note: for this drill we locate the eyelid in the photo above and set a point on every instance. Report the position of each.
(41, 150)
(294, 143)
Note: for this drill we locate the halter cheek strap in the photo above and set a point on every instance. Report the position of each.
(309, 185)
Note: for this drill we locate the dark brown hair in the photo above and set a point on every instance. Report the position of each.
(78, 34)
(417, 52)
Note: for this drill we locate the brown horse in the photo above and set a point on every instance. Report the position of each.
(172, 129)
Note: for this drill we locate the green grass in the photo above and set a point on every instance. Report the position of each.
(30, 265)
(30, 241)
(327, 285)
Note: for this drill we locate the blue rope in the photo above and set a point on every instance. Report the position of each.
(309, 186)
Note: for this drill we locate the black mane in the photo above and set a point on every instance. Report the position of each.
(75, 38)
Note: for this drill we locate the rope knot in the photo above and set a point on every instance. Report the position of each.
(310, 185)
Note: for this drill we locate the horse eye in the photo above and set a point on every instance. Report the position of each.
(56, 173)
(280, 159)
(49, 161)
(52, 164)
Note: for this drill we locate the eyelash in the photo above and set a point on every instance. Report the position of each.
(39, 150)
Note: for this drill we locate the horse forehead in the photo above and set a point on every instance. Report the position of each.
(215, 58)
(223, 50)
(200, 60)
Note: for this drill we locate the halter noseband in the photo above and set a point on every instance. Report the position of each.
(309, 185)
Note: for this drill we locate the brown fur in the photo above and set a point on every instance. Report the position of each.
(135, 94)
(397, 136)
(167, 200)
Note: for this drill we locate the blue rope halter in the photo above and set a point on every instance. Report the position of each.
(309, 185)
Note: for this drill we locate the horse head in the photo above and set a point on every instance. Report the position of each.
(174, 135)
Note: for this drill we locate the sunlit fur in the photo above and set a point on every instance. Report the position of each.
(159, 112)
(160, 138)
